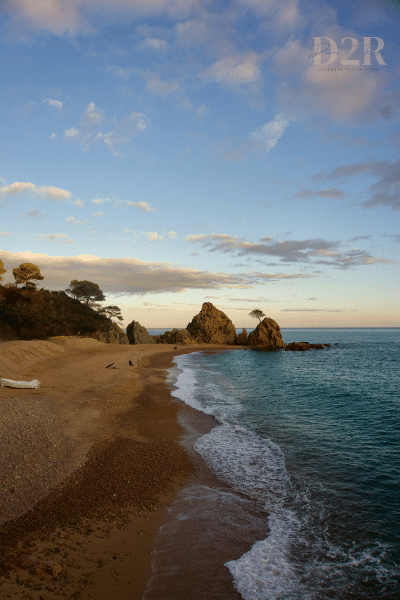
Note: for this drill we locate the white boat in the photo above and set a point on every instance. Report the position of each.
(19, 384)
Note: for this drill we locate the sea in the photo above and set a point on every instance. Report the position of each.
(300, 494)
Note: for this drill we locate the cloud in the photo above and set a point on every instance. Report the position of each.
(121, 72)
(312, 310)
(54, 103)
(98, 214)
(71, 134)
(100, 200)
(121, 133)
(171, 235)
(153, 236)
(34, 214)
(312, 251)
(234, 70)
(53, 193)
(143, 206)
(92, 117)
(269, 134)
(4, 233)
(330, 193)
(126, 276)
(78, 203)
(345, 94)
(152, 44)
(27, 19)
(19, 188)
(75, 221)
(162, 88)
(386, 192)
(59, 238)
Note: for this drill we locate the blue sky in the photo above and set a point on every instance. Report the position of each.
(179, 151)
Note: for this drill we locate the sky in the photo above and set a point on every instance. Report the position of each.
(175, 152)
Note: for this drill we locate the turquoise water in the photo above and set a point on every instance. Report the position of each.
(312, 441)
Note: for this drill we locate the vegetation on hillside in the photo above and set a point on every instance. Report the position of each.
(38, 314)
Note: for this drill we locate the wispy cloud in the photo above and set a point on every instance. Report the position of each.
(386, 192)
(234, 70)
(312, 310)
(330, 193)
(34, 214)
(75, 221)
(54, 103)
(100, 200)
(143, 206)
(59, 238)
(126, 276)
(90, 132)
(156, 44)
(18, 188)
(268, 134)
(312, 251)
(153, 236)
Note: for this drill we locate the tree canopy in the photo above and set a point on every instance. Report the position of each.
(86, 291)
(2, 270)
(112, 312)
(25, 272)
(257, 314)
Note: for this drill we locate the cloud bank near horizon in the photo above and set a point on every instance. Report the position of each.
(125, 276)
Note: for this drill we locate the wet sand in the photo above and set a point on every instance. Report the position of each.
(89, 464)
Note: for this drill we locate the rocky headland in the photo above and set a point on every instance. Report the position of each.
(137, 334)
(212, 326)
(267, 334)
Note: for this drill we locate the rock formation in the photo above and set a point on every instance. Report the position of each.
(267, 334)
(212, 326)
(242, 338)
(115, 335)
(304, 346)
(176, 336)
(137, 334)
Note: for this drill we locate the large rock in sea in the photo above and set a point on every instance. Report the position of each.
(242, 338)
(304, 346)
(137, 334)
(267, 334)
(212, 326)
(176, 336)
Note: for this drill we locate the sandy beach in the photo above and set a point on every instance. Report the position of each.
(89, 463)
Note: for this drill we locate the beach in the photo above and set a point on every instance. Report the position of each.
(90, 463)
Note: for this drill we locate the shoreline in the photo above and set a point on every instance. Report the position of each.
(92, 534)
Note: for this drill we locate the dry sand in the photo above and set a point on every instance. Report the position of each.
(89, 462)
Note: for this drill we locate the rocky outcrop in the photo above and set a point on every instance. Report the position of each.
(176, 336)
(304, 346)
(212, 326)
(242, 338)
(137, 334)
(115, 335)
(267, 334)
